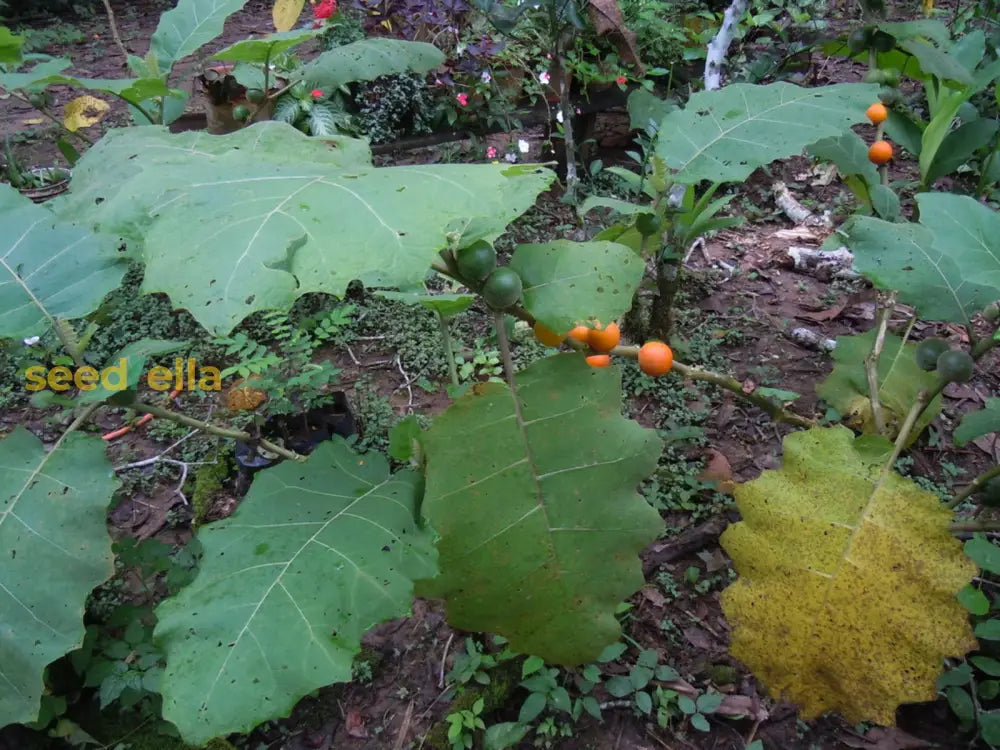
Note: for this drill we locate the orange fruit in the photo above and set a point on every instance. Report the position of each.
(655, 358)
(599, 360)
(604, 339)
(880, 152)
(877, 113)
(547, 337)
(580, 333)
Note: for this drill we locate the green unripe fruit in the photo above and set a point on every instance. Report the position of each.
(928, 351)
(990, 492)
(875, 76)
(502, 289)
(648, 224)
(860, 40)
(241, 113)
(891, 76)
(883, 42)
(255, 96)
(477, 261)
(890, 97)
(955, 367)
(992, 312)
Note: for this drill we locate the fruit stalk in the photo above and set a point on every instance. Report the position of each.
(886, 306)
(449, 352)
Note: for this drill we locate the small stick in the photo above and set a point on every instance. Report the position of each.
(444, 658)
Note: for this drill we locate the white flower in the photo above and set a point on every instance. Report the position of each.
(559, 117)
(511, 157)
(32, 340)
(486, 77)
(460, 48)
(543, 78)
(522, 146)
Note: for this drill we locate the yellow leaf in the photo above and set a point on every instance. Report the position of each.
(846, 599)
(83, 112)
(33, 121)
(286, 13)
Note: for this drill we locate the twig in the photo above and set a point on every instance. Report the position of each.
(114, 29)
(444, 658)
(212, 429)
(154, 459)
(406, 382)
(886, 307)
(351, 354)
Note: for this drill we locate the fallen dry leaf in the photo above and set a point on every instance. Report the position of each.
(698, 638)
(742, 705)
(356, 725)
(654, 596)
(718, 469)
(881, 738)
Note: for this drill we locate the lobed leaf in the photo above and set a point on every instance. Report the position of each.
(187, 26)
(56, 549)
(846, 599)
(725, 134)
(48, 268)
(568, 283)
(539, 535)
(315, 556)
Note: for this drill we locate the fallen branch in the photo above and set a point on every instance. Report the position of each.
(811, 340)
(823, 264)
(794, 210)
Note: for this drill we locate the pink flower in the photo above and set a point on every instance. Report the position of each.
(491, 152)
(621, 80)
(316, 94)
(463, 99)
(325, 9)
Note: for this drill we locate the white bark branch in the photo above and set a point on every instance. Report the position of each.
(719, 45)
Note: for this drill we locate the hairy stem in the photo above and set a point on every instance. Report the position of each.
(886, 306)
(977, 484)
(449, 352)
(212, 429)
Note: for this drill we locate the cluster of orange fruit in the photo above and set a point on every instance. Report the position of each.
(880, 151)
(655, 357)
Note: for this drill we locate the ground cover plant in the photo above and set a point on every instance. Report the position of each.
(239, 520)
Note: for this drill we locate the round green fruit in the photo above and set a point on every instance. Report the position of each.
(890, 97)
(860, 40)
(990, 492)
(648, 224)
(477, 261)
(955, 367)
(256, 96)
(502, 289)
(928, 351)
(875, 75)
(891, 76)
(883, 42)
(992, 312)
(241, 113)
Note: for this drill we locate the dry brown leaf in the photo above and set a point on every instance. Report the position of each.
(355, 725)
(718, 469)
(881, 738)
(654, 596)
(742, 705)
(698, 638)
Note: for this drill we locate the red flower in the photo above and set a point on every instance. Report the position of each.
(621, 80)
(463, 99)
(325, 9)
(316, 94)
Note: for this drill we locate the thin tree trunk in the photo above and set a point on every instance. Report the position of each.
(719, 46)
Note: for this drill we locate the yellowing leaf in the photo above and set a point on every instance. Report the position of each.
(286, 13)
(83, 112)
(846, 599)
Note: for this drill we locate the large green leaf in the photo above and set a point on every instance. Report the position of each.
(568, 283)
(937, 62)
(368, 59)
(725, 134)
(899, 376)
(226, 234)
(10, 46)
(539, 534)
(966, 231)
(49, 269)
(128, 159)
(959, 146)
(977, 423)
(56, 549)
(846, 599)
(126, 368)
(948, 266)
(187, 26)
(30, 80)
(268, 48)
(315, 556)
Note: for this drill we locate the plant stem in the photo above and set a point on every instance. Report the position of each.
(886, 307)
(449, 352)
(212, 429)
(964, 527)
(974, 487)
